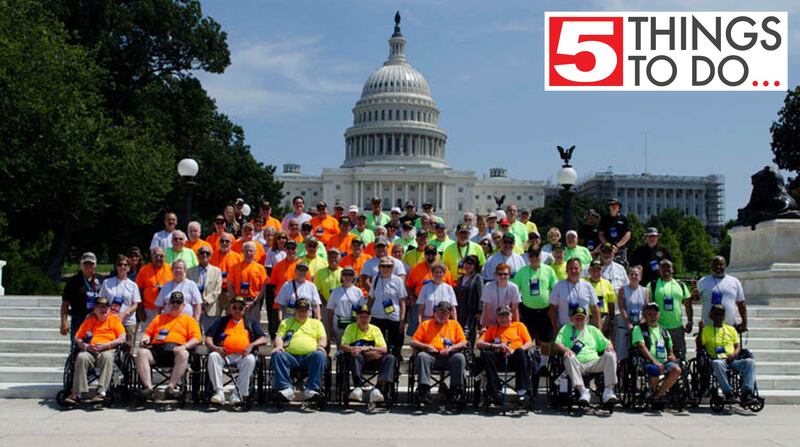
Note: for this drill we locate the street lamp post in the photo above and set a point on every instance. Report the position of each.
(187, 169)
(566, 177)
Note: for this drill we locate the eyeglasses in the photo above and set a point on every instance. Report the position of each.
(177, 239)
(122, 264)
(204, 253)
(387, 266)
(283, 237)
(219, 222)
(501, 274)
(158, 256)
(175, 303)
(237, 307)
(224, 241)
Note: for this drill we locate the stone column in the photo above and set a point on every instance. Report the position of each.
(405, 193)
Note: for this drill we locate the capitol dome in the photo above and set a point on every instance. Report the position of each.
(395, 121)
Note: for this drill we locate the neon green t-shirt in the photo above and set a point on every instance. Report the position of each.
(372, 222)
(605, 293)
(520, 232)
(441, 245)
(321, 251)
(327, 280)
(314, 265)
(560, 269)
(304, 337)
(592, 339)
(535, 285)
(658, 345)
(581, 253)
(669, 297)
(373, 336)
(454, 255)
(413, 257)
(719, 342)
(187, 255)
(367, 236)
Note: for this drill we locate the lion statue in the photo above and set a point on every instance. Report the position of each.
(769, 200)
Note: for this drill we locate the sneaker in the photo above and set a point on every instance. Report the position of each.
(730, 398)
(356, 395)
(145, 393)
(609, 397)
(218, 398)
(101, 392)
(746, 398)
(287, 394)
(584, 397)
(310, 394)
(375, 396)
(235, 399)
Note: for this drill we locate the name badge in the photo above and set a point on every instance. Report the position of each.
(162, 334)
(224, 275)
(716, 297)
(613, 232)
(577, 346)
(354, 310)
(661, 350)
(669, 303)
(497, 341)
(600, 302)
(88, 337)
(654, 265)
(116, 304)
(244, 285)
(447, 342)
(634, 317)
(534, 286)
(91, 297)
(590, 244)
(288, 337)
(388, 307)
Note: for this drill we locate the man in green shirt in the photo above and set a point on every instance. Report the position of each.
(580, 344)
(377, 218)
(517, 228)
(300, 342)
(573, 250)
(363, 344)
(441, 241)
(453, 256)
(535, 281)
(361, 231)
(559, 264)
(329, 278)
(655, 346)
(669, 294)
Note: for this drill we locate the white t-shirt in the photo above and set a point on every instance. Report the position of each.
(497, 296)
(300, 218)
(431, 295)
(514, 261)
(726, 291)
(343, 302)
(191, 295)
(566, 294)
(292, 291)
(274, 257)
(121, 295)
(387, 293)
(371, 269)
(161, 239)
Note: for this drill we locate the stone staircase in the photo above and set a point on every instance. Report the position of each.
(32, 352)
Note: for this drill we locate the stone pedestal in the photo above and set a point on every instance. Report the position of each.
(767, 260)
(2, 290)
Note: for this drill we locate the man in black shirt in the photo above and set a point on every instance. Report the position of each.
(80, 293)
(614, 229)
(649, 256)
(589, 233)
(411, 213)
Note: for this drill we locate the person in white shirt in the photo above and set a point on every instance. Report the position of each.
(296, 289)
(123, 297)
(370, 268)
(345, 300)
(571, 293)
(191, 294)
(387, 303)
(613, 272)
(163, 238)
(434, 292)
(506, 256)
(720, 288)
(298, 204)
(498, 293)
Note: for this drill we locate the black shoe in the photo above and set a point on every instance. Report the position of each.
(730, 398)
(424, 394)
(746, 399)
(171, 394)
(455, 394)
(145, 393)
(524, 398)
(497, 398)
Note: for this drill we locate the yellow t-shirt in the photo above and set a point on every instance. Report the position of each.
(353, 336)
(605, 293)
(719, 342)
(301, 338)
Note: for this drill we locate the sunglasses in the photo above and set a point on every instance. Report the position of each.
(175, 303)
(237, 307)
(177, 239)
(387, 266)
(223, 241)
(204, 253)
(158, 256)
(219, 222)
(501, 274)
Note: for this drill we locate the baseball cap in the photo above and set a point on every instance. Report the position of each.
(717, 308)
(334, 250)
(492, 215)
(395, 210)
(503, 310)
(376, 199)
(344, 220)
(352, 209)
(651, 306)
(430, 249)
(652, 231)
(301, 266)
(607, 247)
(238, 299)
(596, 263)
(613, 201)
(348, 269)
(302, 304)
(440, 226)
(322, 204)
(101, 301)
(462, 227)
(508, 236)
(357, 240)
(427, 205)
(572, 233)
(363, 309)
(306, 226)
(410, 203)
(578, 311)
(89, 257)
(338, 205)
(176, 297)
(381, 241)
(291, 244)
(240, 201)
(443, 305)
(504, 222)
(265, 204)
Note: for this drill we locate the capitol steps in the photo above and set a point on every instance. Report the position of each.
(33, 352)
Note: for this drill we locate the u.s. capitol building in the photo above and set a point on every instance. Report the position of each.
(396, 150)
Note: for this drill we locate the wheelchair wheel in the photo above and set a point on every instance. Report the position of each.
(61, 398)
(757, 406)
(694, 388)
(717, 403)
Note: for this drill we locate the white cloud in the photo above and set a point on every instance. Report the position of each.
(270, 78)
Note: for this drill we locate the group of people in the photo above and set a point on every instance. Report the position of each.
(365, 280)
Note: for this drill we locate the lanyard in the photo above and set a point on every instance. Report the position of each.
(89, 284)
(458, 250)
(576, 335)
(505, 295)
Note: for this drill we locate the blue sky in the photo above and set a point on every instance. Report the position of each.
(298, 68)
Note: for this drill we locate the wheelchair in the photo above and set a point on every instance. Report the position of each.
(229, 374)
(505, 381)
(560, 391)
(117, 391)
(439, 377)
(190, 384)
(299, 377)
(634, 391)
(703, 385)
(370, 377)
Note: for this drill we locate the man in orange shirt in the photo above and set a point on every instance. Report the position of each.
(437, 343)
(344, 238)
(166, 343)
(293, 231)
(421, 273)
(248, 231)
(356, 258)
(265, 212)
(219, 229)
(151, 278)
(225, 258)
(96, 340)
(248, 280)
(231, 341)
(506, 343)
(329, 225)
(193, 241)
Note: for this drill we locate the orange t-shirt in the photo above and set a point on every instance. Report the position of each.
(342, 242)
(370, 250)
(237, 339)
(272, 222)
(194, 246)
(282, 272)
(225, 263)
(213, 239)
(102, 331)
(515, 335)
(179, 329)
(434, 334)
(330, 228)
(260, 255)
(349, 261)
(251, 272)
(150, 281)
(421, 275)
(298, 238)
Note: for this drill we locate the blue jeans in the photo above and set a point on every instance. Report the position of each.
(283, 363)
(745, 366)
(411, 319)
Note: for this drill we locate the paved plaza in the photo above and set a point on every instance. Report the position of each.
(30, 422)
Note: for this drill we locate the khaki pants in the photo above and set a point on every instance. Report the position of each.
(130, 334)
(606, 364)
(84, 362)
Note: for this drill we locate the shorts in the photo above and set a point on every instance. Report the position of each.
(655, 373)
(163, 355)
(538, 323)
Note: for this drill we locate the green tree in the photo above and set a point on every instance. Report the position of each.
(551, 214)
(786, 138)
(696, 245)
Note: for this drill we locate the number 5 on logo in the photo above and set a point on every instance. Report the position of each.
(583, 51)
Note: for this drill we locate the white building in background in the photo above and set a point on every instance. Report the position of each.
(396, 150)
